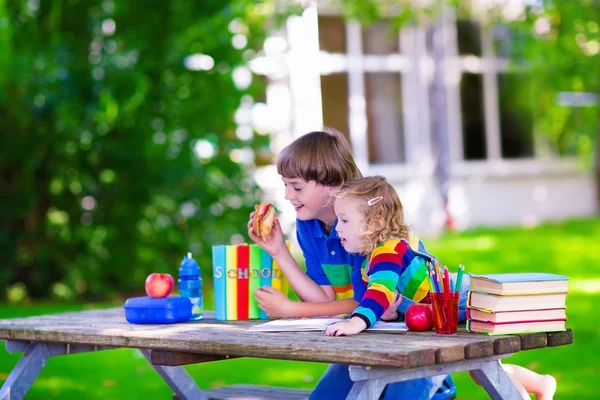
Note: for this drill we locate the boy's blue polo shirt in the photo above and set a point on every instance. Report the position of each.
(327, 262)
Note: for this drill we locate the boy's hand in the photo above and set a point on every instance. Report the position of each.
(352, 327)
(391, 314)
(274, 303)
(274, 244)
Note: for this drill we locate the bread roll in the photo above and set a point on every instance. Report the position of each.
(264, 216)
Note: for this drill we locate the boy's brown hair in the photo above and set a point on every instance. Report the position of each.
(321, 156)
(382, 209)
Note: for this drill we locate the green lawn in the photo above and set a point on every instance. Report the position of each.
(571, 248)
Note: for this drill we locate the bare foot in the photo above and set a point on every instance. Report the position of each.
(548, 388)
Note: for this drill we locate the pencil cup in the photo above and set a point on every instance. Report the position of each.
(445, 312)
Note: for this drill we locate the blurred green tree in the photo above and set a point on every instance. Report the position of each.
(560, 42)
(119, 150)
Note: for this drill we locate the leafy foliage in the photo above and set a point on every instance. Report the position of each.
(560, 42)
(101, 108)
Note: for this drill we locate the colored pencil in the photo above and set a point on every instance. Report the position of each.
(459, 277)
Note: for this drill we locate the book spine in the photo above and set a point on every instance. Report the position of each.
(254, 280)
(231, 281)
(243, 264)
(218, 258)
(276, 277)
(266, 272)
(285, 284)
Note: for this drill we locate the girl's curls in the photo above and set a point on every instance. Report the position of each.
(381, 207)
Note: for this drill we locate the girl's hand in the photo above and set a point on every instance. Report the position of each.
(274, 244)
(391, 314)
(352, 327)
(274, 303)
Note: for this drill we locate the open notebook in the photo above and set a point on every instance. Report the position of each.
(319, 324)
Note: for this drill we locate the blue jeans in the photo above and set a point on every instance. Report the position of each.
(336, 384)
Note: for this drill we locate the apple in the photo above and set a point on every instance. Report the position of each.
(419, 317)
(159, 285)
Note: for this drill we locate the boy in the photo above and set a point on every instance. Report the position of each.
(312, 167)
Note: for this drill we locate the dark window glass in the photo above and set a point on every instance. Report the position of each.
(516, 121)
(380, 38)
(334, 95)
(468, 34)
(384, 118)
(473, 122)
(332, 34)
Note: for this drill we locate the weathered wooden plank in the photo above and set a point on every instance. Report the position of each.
(560, 338)
(308, 347)
(177, 358)
(507, 344)
(220, 338)
(533, 341)
(448, 348)
(254, 392)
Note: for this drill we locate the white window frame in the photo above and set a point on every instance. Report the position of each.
(415, 109)
(306, 64)
(489, 66)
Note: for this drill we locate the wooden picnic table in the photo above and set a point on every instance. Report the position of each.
(376, 359)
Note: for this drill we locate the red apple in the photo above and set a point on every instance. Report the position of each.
(419, 317)
(159, 285)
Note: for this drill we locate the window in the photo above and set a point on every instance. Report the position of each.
(384, 118)
(473, 122)
(516, 121)
(334, 94)
(495, 99)
(362, 87)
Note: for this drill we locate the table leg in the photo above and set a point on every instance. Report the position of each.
(487, 370)
(366, 390)
(24, 373)
(496, 382)
(178, 379)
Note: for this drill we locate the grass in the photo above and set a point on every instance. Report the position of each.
(571, 248)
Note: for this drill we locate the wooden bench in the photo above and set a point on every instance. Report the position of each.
(255, 392)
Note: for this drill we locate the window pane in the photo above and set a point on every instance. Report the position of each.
(468, 34)
(380, 38)
(334, 95)
(502, 41)
(384, 118)
(516, 121)
(505, 38)
(332, 34)
(471, 99)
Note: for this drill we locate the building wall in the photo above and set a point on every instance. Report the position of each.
(524, 201)
(499, 200)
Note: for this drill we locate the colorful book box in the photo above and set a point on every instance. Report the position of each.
(238, 270)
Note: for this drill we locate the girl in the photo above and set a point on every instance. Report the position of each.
(371, 223)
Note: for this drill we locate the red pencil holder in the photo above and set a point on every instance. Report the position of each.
(445, 312)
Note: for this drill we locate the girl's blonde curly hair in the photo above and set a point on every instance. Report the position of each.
(378, 201)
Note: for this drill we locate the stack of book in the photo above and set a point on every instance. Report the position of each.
(238, 270)
(517, 303)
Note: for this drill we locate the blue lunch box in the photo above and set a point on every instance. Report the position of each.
(166, 310)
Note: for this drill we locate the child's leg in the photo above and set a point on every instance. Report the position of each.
(543, 386)
(334, 384)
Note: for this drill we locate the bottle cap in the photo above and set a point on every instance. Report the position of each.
(189, 267)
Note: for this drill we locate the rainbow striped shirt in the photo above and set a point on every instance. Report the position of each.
(393, 266)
